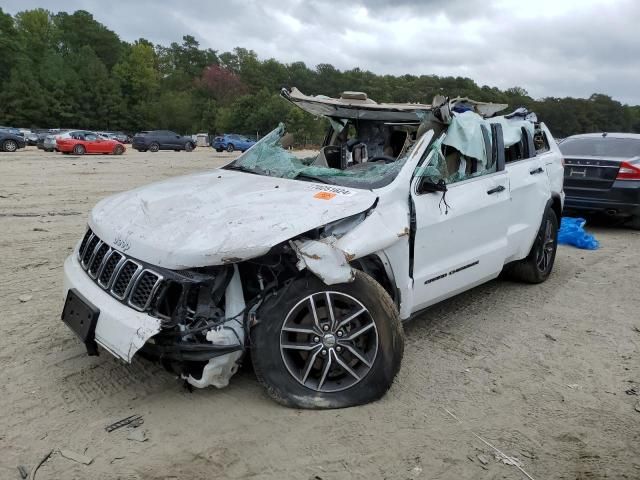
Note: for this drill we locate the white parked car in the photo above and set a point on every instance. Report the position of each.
(313, 264)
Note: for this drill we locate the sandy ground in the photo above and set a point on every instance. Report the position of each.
(540, 372)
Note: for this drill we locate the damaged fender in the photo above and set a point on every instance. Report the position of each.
(326, 261)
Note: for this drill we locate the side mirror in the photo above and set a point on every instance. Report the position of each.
(177, 136)
(428, 186)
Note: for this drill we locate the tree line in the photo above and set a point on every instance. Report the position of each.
(69, 70)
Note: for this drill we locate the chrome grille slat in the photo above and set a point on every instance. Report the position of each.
(83, 244)
(136, 287)
(96, 259)
(88, 251)
(121, 259)
(124, 278)
(126, 275)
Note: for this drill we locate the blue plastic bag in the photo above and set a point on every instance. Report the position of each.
(572, 233)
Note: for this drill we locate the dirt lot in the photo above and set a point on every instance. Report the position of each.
(540, 372)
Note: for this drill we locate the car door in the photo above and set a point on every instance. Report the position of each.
(459, 235)
(91, 143)
(530, 192)
(173, 140)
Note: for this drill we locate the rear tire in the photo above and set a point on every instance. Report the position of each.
(370, 344)
(10, 146)
(79, 150)
(230, 148)
(537, 267)
(188, 147)
(219, 150)
(154, 147)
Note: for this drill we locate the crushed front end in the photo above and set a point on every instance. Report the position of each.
(192, 321)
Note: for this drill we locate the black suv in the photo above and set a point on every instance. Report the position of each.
(162, 140)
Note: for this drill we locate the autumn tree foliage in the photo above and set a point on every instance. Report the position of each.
(222, 84)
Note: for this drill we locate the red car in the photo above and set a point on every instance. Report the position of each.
(89, 143)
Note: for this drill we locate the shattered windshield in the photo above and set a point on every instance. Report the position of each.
(268, 157)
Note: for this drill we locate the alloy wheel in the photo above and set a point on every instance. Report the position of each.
(545, 249)
(329, 341)
(10, 146)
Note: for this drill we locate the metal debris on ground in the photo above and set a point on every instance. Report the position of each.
(32, 475)
(76, 457)
(508, 460)
(24, 473)
(513, 461)
(137, 435)
(136, 420)
(632, 391)
(483, 460)
(637, 407)
(25, 298)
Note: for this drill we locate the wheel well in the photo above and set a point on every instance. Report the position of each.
(556, 206)
(373, 266)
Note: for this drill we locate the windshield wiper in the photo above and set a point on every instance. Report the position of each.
(312, 178)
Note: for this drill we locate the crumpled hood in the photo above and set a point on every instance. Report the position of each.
(219, 216)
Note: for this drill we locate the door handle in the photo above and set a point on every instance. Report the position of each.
(499, 188)
(536, 171)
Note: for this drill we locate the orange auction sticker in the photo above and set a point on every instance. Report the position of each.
(324, 195)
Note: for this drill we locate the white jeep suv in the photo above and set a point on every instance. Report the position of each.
(313, 263)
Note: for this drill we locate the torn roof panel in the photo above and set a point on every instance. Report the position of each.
(356, 105)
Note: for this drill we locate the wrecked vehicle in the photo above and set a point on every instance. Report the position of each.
(312, 264)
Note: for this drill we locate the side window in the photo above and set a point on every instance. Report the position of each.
(521, 150)
(541, 141)
(450, 165)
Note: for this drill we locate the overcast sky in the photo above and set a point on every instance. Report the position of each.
(549, 47)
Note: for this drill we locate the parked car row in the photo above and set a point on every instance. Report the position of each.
(10, 142)
(155, 140)
(231, 142)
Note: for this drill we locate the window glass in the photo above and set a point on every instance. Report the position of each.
(601, 147)
(450, 165)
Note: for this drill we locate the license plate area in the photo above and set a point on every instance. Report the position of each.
(81, 317)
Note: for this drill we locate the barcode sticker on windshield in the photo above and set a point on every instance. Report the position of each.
(324, 195)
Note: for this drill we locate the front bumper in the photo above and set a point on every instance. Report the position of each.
(623, 199)
(120, 330)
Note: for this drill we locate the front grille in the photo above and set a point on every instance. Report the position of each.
(143, 289)
(124, 278)
(96, 263)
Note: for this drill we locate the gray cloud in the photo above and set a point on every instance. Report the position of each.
(551, 48)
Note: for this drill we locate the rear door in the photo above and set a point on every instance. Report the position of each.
(174, 141)
(530, 192)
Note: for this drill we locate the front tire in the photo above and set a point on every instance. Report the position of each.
(79, 150)
(188, 147)
(10, 146)
(320, 347)
(537, 266)
(230, 148)
(154, 147)
(118, 150)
